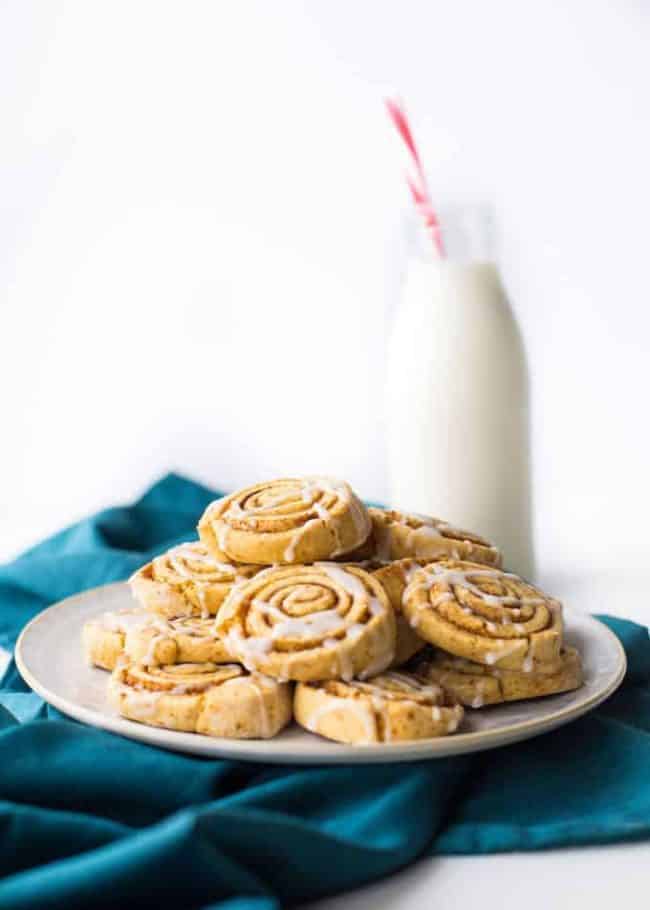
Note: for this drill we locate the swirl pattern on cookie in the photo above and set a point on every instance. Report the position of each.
(484, 614)
(310, 623)
(187, 639)
(222, 701)
(400, 535)
(286, 522)
(103, 638)
(391, 707)
(186, 581)
(476, 685)
(394, 578)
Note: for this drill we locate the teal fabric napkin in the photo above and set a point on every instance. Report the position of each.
(90, 819)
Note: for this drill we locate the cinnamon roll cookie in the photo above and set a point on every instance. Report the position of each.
(186, 581)
(392, 707)
(184, 640)
(476, 685)
(222, 701)
(484, 615)
(146, 638)
(103, 638)
(314, 622)
(399, 535)
(394, 579)
(286, 522)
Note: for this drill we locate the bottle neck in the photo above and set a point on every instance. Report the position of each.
(467, 233)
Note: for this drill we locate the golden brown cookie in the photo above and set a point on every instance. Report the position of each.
(286, 522)
(222, 701)
(310, 622)
(103, 637)
(394, 577)
(400, 535)
(392, 707)
(476, 685)
(186, 581)
(184, 640)
(483, 614)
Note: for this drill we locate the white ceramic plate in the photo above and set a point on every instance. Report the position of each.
(50, 660)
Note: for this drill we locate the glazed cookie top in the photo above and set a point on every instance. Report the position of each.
(389, 707)
(193, 563)
(483, 614)
(186, 580)
(177, 679)
(391, 686)
(310, 622)
(398, 535)
(286, 521)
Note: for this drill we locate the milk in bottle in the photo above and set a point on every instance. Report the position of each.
(457, 394)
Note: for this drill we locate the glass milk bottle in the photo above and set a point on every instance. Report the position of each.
(457, 393)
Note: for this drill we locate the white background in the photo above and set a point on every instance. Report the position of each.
(201, 240)
(201, 213)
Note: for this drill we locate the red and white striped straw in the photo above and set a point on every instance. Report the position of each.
(417, 184)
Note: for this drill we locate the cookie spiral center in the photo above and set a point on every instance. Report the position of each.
(284, 506)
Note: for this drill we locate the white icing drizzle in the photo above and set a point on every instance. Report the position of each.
(281, 496)
(149, 657)
(311, 625)
(309, 491)
(188, 551)
(441, 575)
(406, 686)
(326, 625)
(222, 535)
(505, 647)
(350, 583)
(321, 511)
(452, 577)
(201, 592)
(342, 492)
(251, 650)
(419, 541)
(409, 571)
(411, 683)
(290, 551)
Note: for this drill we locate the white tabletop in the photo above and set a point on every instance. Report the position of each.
(594, 878)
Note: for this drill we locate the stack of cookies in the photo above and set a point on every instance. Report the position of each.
(365, 625)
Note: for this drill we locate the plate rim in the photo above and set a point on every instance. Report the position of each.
(338, 753)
